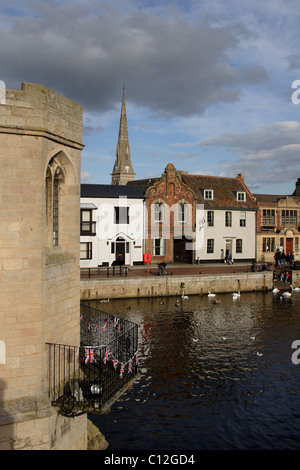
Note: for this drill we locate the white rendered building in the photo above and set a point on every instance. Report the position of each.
(111, 225)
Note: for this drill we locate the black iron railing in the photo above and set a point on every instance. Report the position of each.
(103, 271)
(85, 378)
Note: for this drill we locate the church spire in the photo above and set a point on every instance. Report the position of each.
(123, 170)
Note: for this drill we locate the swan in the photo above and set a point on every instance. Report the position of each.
(275, 290)
(184, 297)
(210, 294)
(259, 354)
(236, 294)
(297, 289)
(286, 294)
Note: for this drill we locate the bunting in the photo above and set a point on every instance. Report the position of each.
(90, 351)
(89, 355)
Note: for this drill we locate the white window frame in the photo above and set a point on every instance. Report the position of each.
(159, 213)
(182, 213)
(241, 196)
(208, 194)
(158, 246)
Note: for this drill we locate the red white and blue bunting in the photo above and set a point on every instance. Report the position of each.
(90, 358)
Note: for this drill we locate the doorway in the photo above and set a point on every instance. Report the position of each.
(181, 253)
(120, 250)
(228, 247)
(289, 245)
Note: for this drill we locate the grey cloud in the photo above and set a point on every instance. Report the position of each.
(267, 137)
(172, 64)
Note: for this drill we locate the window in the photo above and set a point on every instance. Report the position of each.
(289, 217)
(241, 196)
(86, 250)
(208, 194)
(268, 217)
(239, 245)
(210, 218)
(159, 247)
(55, 208)
(210, 245)
(268, 245)
(182, 213)
(121, 215)
(159, 213)
(242, 219)
(228, 219)
(296, 244)
(87, 226)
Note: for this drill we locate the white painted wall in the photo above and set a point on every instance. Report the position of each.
(107, 231)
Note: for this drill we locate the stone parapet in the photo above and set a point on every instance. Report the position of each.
(162, 286)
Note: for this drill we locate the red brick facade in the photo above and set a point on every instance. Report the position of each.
(171, 192)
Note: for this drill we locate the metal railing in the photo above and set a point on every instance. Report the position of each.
(85, 378)
(103, 271)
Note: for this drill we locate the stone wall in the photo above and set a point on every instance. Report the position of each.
(40, 131)
(161, 286)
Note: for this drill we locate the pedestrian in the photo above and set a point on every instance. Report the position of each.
(277, 257)
(229, 257)
(282, 259)
(287, 275)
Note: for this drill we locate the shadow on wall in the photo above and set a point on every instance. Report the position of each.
(6, 421)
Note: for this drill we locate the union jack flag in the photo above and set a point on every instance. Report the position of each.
(115, 363)
(130, 367)
(106, 356)
(104, 326)
(121, 371)
(89, 355)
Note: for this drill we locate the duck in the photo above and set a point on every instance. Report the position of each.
(210, 294)
(216, 301)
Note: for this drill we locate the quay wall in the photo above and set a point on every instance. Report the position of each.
(164, 286)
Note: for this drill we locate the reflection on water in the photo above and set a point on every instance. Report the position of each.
(214, 376)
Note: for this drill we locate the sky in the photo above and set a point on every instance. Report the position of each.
(212, 86)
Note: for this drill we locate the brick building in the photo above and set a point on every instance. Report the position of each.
(278, 224)
(196, 218)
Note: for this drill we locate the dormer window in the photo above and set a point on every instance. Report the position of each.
(241, 196)
(208, 194)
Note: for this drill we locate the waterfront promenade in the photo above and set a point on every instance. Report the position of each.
(181, 278)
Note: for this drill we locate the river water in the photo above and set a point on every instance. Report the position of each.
(213, 376)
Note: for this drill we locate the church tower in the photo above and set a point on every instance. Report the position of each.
(123, 171)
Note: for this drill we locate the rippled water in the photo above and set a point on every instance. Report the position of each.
(203, 384)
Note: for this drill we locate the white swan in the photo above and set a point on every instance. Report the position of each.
(236, 295)
(275, 290)
(184, 297)
(297, 289)
(286, 294)
(210, 294)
